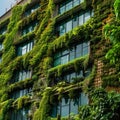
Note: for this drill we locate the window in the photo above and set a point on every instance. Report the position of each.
(64, 57)
(62, 29)
(29, 28)
(20, 93)
(68, 4)
(21, 114)
(0, 59)
(69, 25)
(24, 75)
(3, 30)
(21, 75)
(32, 9)
(77, 20)
(81, 20)
(62, 8)
(1, 46)
(73, 76)
(65, 107)
(76, 2)
(25, 48)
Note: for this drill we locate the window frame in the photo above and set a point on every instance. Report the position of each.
(80, 53)
(69, 104)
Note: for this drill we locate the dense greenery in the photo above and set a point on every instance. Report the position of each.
(112, 31)
(102, 105)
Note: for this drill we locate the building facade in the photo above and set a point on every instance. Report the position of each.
(51, 54)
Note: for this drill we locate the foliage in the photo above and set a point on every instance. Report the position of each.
(4, 108)
(40, 60)
(103, 106)
(43, 112)
(112, 31)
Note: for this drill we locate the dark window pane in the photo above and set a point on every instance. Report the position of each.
(75, 21)
(72, 54)
(80, 74)
(57, 55)
(78, 50)
(57, 62)
(54, 111)
(72, 76)
(62, 29)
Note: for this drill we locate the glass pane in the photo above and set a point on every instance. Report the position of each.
(78, 50)
(20, 76)
(75, 21)
(65, 108)
(72, 54)
(54, 111)
(28, 47)
(69, 6)
(21, 93)
(80, 74)
(58, 109)
(72, 76)
(24, 32)
(28, 74)
(57, 55)
(62, 9)
(65, 52)
(64, 59)
(1, 46)
(87, 72)
(66, 78)
(69, 26)
(31, 45)
(85, 51)
(81, 1)
(76, 2)
(19, 51)
(24, 75)
(64, 102)
(83, 99)
(0, 59)
(81, 19)
(85, 48)
(87, 16)
(74, 107)
(62, 29)
(30, 28)
(24, 49)
(57, 62)
(65, 111)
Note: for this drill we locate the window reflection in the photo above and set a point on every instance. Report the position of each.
(68, 4)
(77, 20)
(77, 51)
(66, 107)
(25, 48)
